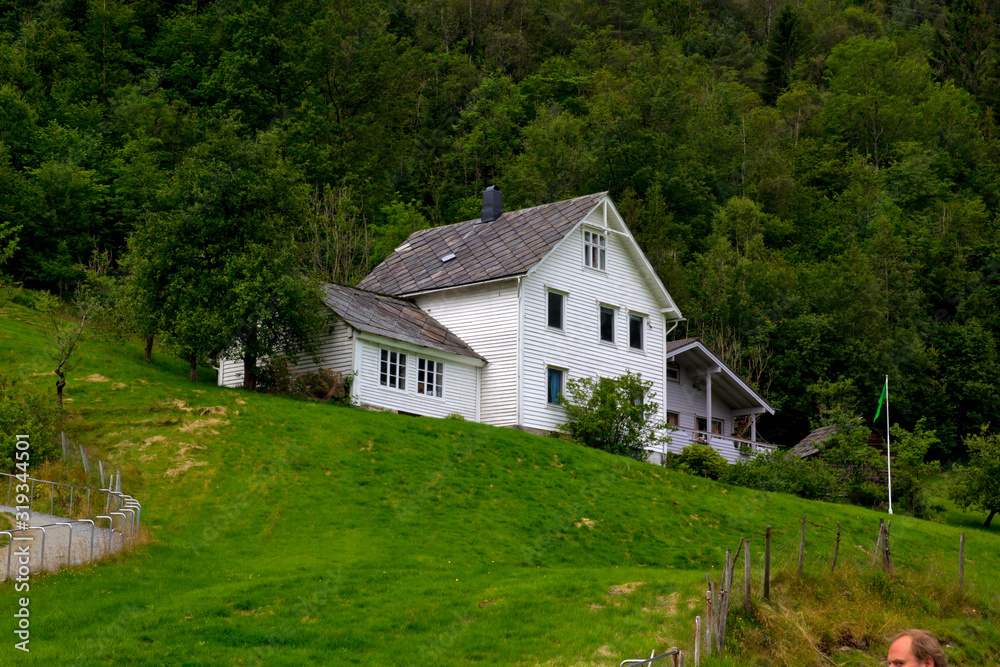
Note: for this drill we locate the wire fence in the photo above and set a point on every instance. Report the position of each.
(98, 522)
(811, 549)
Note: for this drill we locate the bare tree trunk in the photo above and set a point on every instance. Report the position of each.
(250, 372)
(250, 361)
(149, 347)
(61, 382)
(989, 518)
(194, 369)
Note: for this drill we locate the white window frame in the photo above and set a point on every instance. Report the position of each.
(436, 386)
(386, 357)
(601, 307)
(721, 422)
(595, 250)
(642, 331)
(562, 384)
(548, 305)
(673, 365)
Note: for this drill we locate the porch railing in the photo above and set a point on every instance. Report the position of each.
(730, 446)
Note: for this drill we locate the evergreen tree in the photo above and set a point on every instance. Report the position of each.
(781, 54)
(965, 50)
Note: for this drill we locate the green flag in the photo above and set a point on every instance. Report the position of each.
(881, 399)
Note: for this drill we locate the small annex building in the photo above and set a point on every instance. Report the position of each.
(490, 317)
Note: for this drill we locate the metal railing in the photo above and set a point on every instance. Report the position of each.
(118, 535)
(676, 653)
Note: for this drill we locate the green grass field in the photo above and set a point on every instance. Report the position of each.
(288, 533)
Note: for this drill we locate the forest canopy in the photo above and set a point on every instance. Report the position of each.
(817, 183)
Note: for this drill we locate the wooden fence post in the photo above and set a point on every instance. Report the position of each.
(961, 563)
(878, 542)
(86, 466)
(836, 548)
(64, 444)
(886, 554)
(747, 603)
(802, 545)
(708, 620)
(767, 563)
(697, 640)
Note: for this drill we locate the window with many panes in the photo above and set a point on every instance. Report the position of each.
(595, 250)
(556, 308)
(430, 377)
(392, 369)
(716, 425)
(635, 323)
(607, 324)
(555, 386)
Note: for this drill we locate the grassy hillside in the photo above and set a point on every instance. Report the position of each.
(289, 533)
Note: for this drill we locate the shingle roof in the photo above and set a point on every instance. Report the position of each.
(676, 344)
(507, 246)
(809, 445)
(393, 318)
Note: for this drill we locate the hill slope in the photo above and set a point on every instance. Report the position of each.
(288, 532)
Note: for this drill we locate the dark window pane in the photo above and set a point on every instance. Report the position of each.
(555, 385)
(555, 310)
(607, 324)
(635, 331)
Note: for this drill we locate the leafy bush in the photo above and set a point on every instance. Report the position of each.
(782, 471)
(701, 460)
(279, 376)
(613, 414)
(24, 411)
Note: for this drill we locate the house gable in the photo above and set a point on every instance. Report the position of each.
(604, 216)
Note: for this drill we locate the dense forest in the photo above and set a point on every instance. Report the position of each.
(817, 183)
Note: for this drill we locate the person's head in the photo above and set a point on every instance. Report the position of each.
(916, 648)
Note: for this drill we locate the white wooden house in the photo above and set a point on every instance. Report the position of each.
(488, 319)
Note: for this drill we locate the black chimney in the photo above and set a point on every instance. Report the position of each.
(492, 204)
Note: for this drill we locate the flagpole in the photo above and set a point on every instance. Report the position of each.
(888, 448)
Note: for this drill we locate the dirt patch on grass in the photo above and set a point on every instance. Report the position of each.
(604, 652)
(149, 441)
(180, 405)
(96, 377)
(665, 604)
(184, 462)
(589, 523)
(203, 423)
(119, 385)
(625, 589)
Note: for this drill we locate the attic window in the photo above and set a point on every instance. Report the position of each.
(447, 258)
(595, 250)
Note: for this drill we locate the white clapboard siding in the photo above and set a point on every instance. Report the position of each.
(485, 317)
(334, 352)
(459, 386)
(689, 402)
(578, 348)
